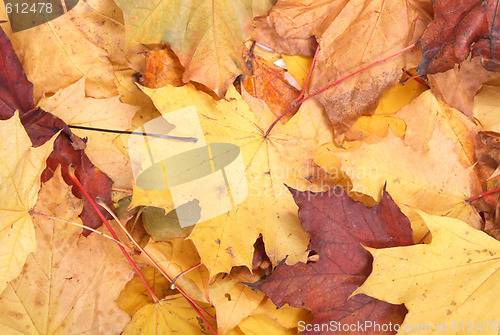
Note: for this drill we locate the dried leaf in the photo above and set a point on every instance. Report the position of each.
(82, 42)
(460, 261)
(339, 227)
(167, 317)
(22, 166)
(162, 68)
(54, 292)
(16, 92)
(212, 34)
(457, 29)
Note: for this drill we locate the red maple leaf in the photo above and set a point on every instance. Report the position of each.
(339, 227)
(459, 28)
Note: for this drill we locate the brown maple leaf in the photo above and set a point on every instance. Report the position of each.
(459, 28)
(339, 227)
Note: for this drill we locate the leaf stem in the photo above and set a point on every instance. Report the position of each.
(297, 99)
(479, 196)
(121, 190)
(416, 77)
(335, 83)
(127, 256)
(81, 226)
(182, 274)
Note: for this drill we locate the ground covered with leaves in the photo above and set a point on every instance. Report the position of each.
(250, 167)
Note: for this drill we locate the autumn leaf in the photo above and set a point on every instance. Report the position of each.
(457, 30)
(450, 283)
(430, 169)
(54, 292)
(350, 36)
(73, 107)
(213, 33)
(166, 317)
(339, 226)
(16, 91)
(83, 42)
(269, 163)
(22, 166)
(370, 128)
(134, 295)
(162, 68)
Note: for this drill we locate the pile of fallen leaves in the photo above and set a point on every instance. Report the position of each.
(368, 138)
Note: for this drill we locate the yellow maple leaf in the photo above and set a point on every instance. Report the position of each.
(83, 42)
(269, 163)
(449, 286)
(73, 107)
(21, 167)
(205, 35)
(69, 285)
(429, 169)
(168, 316)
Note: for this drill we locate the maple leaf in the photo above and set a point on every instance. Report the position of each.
(212, 34)
(269, 162)
(73, 107)
(339, 226)
(167, 317)
(22, 166)
(54, 292)
(16, 92)
(458, 29)
(430, 169)
(460, 260)
(351, 36)
(83, 42)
